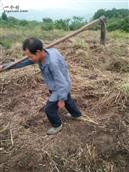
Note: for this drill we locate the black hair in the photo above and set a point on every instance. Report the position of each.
(33, 45)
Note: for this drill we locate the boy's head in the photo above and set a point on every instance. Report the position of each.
(33, 48)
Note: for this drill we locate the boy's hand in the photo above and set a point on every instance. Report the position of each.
(1, 67)
(61, 104)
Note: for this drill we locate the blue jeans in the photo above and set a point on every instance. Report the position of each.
(51, 109)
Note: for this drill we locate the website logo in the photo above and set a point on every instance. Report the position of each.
(10, 7)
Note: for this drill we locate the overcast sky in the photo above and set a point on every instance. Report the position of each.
(68, 4)
(56, 9)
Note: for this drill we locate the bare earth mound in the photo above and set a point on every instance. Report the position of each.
(98, 74)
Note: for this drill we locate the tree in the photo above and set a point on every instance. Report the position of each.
(62, 24)
(118, 19)
(48, 24)
(114, 13)
(77, 22)
(4, 16)
(99, 13)
(125, 24)
(23, 22)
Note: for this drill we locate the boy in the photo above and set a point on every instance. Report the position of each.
(55, 73)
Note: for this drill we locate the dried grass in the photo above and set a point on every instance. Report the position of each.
(81, 146)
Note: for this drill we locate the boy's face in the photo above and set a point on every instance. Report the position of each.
(38, 56)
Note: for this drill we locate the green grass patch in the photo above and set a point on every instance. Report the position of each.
(119, 34)
(10, 36)
(125, 88)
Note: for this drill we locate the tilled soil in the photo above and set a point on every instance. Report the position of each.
(80, 146)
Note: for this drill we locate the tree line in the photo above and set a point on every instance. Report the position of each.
(46, 24)
(118, 19)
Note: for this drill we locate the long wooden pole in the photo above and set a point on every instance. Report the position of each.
(86, 27)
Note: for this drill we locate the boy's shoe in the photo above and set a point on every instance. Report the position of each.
(54, 130)
(80, 118)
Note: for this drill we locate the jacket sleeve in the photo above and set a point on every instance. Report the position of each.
(22, 64)
(60, 82)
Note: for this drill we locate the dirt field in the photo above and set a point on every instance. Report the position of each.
(101, 90)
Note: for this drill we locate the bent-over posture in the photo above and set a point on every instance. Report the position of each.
(55, 73)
